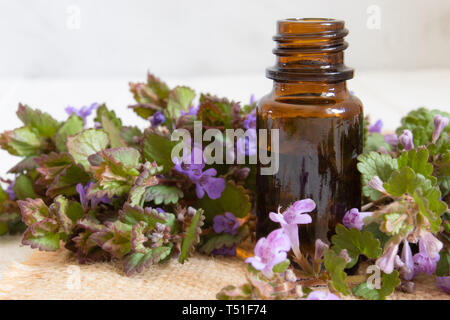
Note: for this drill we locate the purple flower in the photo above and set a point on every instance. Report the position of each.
(10, 190)
(270, 251)
(387, 260)
(440, 123)
(376, 127)
(424, 263)
(250, 121)
(355, 219)
(430, 244)
(191, 112)
(426, 260)
(225, 251)
(157, 119)
(377, 184)
(391, 139)
(319, 249)
(407, 269)
(248, 144)
(291, 218)
(226, 223)
(322, 295)
(205, 181)
(444, 283)
(83, 112)
(252, 99)
(95, 201)
(407, 140)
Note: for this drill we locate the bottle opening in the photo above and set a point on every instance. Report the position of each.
(310, 49)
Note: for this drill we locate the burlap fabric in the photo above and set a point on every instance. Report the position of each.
(58, 276)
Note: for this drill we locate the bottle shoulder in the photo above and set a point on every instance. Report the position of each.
(309, 106)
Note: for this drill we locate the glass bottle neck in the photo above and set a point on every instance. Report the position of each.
(310, 88)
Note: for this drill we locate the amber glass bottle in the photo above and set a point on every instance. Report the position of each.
(320, 128)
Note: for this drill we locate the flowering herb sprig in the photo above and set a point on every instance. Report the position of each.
(114, 192)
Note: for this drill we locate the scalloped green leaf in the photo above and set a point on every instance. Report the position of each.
(335, 265)
(356, 242)
(85, 144)
(71, 127)
(388, 284)
(375, 164)
(192, 236)
(162, 194)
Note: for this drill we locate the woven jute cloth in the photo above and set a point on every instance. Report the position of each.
(57, 275)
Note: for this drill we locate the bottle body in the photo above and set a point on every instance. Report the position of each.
(320, 129)
(320, 139)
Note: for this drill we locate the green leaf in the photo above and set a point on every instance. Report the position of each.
(67, 181)
(137, 262)
(21, 142)
(134, 214)
(43, 123)
(217, 241)
(45, 241)
(416, 159)
(129, 134)
(282, 266)
(374, 164)
(85, 144)
(192, 236)
(356, 243)
(389, 283)
(69, 128)
(442, 172)
(335, 266)
(428, 198)
(112, 125)
(162, 194)
(215, 112)
(159, 149)
(403, 181)
(234, 199)
(443, 266)
(23, 188)
(180, 99)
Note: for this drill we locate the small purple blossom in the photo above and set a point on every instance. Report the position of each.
(157, 119)
(407, 269)
(444, 283)
(205, 181)
(428, 256)
(10, 190)
(83, 112)
(252, 99)
(376, 127)
(320, 248)
(250, 121)
(193, 110)
(440, 123)
(407, 140)
(377, 184)
(226, 223)
(84, 200)
(391, 139)
(270, 251)
(225, 251)
(291, 218)
(355, 219)
(387, 260)
(322, 295)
